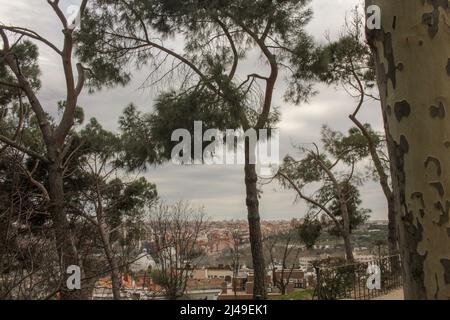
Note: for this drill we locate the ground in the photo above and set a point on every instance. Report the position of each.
(303, 294)
(307, 295)
(394, 295)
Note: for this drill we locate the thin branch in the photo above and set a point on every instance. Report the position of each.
(17, 146)
(310, 200)
(55, 5)
(36, 183)
(32, 34)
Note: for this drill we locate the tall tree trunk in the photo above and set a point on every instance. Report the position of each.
(66, 253)
(346, 227)
(412, 52)
(344, 211)
(348, 247)
(110, 255)
(254, 223)
(283, 289)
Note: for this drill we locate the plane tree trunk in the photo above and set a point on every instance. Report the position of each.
(412, 53)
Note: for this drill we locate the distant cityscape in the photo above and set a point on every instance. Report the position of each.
(214, 275)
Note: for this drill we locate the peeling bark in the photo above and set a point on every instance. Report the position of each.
(412, 53)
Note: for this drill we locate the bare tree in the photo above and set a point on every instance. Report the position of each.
(174, 231)
(284, 251)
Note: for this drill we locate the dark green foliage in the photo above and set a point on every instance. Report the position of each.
(309, 231)
(137, 139)
(321, 167)
(357, 215)
(303, 171)
(340, 280)
(128, 201)
(100, 154)
(336, 278)
(354, 146)
(114, 33)
(17, 196)
(349, 57)
(30, 209)
(173, 112)
(147, 137)
(27, 53)
(13, 104)
(309, 62)
(98, 141)
(351, 147)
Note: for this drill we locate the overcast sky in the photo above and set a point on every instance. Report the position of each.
(219, 188)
